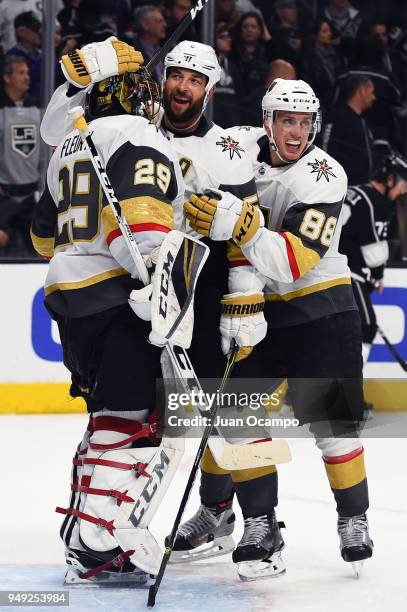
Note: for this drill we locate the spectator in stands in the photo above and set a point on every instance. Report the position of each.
(150, 27)
(251, 55)
(388, 59)
(28, 34)
(9, 9)
(20, 155)
(117, 14)
(280, 69)
(62, 47)
(227, 99)
(286, 38)
(321, 63)
(175, 11)
(84, 21)
(345, 22)
(346, 135)
(228, 12)
(343, 18)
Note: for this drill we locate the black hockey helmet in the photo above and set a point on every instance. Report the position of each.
(390, 163)
(135, 93)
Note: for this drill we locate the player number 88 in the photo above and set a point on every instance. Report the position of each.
(316, 226)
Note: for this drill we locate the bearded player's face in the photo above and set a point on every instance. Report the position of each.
(184, 93)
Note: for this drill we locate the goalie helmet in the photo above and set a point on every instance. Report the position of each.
(291, 96)
(195, 56)
(135, 93)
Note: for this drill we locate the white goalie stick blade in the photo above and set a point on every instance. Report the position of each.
(244, 456)
(227, 456)
(180, 261)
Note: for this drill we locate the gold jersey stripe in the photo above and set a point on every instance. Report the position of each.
(252, 473)
(43, 246)
(86, 282)
(273, 297)
(348, 474)
(140, 210)
(305, 257)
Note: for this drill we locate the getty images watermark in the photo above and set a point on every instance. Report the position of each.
(198, 402)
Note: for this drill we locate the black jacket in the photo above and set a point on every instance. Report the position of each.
(348, 139)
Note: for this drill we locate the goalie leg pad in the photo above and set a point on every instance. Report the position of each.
(120, 489)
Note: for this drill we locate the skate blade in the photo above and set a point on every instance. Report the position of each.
(257, 570)
(104, 580)
(216, 548)
(357, 567)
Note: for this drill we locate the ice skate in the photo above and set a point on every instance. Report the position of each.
(207, 534)
(81, 576)
(355, 542)
(258, 554)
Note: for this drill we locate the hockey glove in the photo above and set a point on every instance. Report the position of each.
(223, 218)
(97, 61)
(242, 320)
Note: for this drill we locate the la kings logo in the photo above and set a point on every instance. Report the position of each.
(24, 139)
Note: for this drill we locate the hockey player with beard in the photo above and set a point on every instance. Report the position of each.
(315, 335)
(366, 214)
(90, 276)
(209, 159)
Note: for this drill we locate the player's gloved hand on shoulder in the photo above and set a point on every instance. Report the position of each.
(242, 320)
(222, 216)
(97, 61)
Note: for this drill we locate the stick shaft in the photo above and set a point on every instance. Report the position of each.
(176, 35)
(190, 483)
(393, 349)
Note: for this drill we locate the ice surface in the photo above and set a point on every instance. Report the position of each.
(35, 456)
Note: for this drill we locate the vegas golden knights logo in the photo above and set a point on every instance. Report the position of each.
(24, 139)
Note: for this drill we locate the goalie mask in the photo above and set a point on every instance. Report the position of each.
(290, 96)
(195, 56)
(135, 93)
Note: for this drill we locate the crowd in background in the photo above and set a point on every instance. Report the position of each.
(354, 55)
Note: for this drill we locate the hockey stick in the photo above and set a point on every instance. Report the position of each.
(248, 456)
(175, 36)
(392, 349)
(169, 543)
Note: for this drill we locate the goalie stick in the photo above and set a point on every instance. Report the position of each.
(392, 349)
(169, 543)
(250, 455)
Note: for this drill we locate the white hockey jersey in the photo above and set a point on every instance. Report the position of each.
(209, 158)
(91, 268)
(307, 278)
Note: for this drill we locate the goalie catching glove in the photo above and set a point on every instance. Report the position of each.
(98, 61)
(242, 320)
(224, 217)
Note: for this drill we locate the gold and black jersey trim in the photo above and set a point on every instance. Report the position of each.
(274, 297)
(142, 214)
(43, 225)
(86, 282)
(82, 300)
(43, 246)
(310, 303)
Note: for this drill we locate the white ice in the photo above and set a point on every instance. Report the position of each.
(35, 456)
